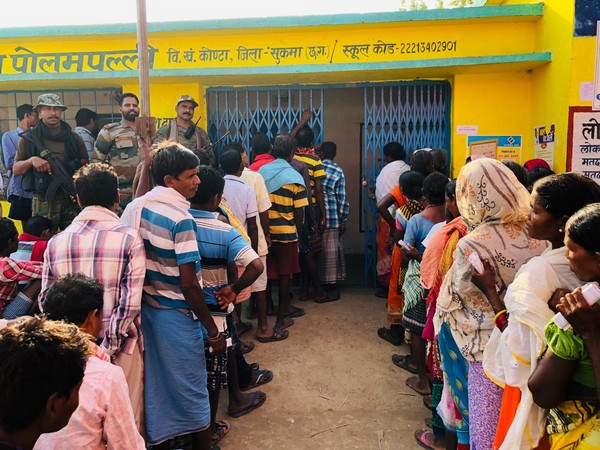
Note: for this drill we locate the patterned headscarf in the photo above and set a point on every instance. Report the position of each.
(494, 206)
(488, 192)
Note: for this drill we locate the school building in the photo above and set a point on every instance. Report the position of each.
(512, 78)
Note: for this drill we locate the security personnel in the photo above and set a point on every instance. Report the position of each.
(47, 156)
(184, 131)
(117, 146)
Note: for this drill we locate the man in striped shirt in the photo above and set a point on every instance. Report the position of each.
(288, 198)
(310, 237)
(174, 309)
(98, 245)
(220, 245)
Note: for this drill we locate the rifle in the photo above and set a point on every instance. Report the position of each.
(60, 177)
(217, 141)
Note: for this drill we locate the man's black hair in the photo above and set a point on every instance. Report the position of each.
(23, 110)
(395, 151)
(8, 232)
(37, 224)
(237, 146)
(211, 184)
(84, 116)
(96, 185)
(329, 150)
(128, 94)
(305, 137)
(284, 146)
(231, 161)
(72, 297)
(171, 159)
(260, 143)
(38, 358)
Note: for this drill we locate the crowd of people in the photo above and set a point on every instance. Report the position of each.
(147, 251)
(474, 271)
(121, 301)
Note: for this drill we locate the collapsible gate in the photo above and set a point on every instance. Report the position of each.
(245, 111)
(416, 114)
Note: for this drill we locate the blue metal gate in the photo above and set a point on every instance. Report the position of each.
(416, 114)
(244, 111)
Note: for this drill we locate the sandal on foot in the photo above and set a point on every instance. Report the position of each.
(425, 438)
(263, 377)
(295, 312)
(221, 430)
(385, 334)
(428, 422)
(247, 347)
(412, 383)
(277, 335)
(403, 361)
(258, 398)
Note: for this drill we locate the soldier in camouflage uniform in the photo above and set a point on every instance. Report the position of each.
(178, 129)
(117, 145)
(47, 157)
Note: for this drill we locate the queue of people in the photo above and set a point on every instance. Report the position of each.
(479, 268)
(151, 275)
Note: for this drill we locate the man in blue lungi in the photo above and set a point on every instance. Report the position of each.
(173, 307)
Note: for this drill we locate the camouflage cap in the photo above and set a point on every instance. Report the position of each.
(187, 98)
(50, 100)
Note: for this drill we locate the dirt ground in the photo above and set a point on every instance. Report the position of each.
(334, 384)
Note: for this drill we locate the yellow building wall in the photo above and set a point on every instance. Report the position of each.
(498, 104)
(550, 91)
(164, 96)
(582, 68)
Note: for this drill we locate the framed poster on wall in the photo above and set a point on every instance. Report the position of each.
(583, 142)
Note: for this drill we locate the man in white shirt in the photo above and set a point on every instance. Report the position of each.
(393, 158)
(241, 200)
(264, 332)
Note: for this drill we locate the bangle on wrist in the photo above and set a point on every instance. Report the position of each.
(501, 320)
(499, 313)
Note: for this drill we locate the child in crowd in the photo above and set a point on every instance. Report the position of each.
(33, 241)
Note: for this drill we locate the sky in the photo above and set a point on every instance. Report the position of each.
(78, 12)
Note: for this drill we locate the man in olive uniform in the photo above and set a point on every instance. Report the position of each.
(184, 131)
(117, 145)
(47, 156)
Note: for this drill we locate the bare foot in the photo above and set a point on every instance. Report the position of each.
(415, 384)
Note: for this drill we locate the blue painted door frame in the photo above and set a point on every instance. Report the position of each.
(416, 114)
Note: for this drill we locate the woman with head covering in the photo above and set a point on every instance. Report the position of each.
(566, 380)
(511, 354)
(494, 205)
